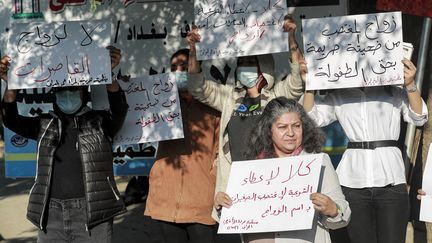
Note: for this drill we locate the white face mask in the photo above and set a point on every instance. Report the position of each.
(68, 101)
(181, 80)
(248, 76)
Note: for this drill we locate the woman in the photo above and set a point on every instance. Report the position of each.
(284, 130)
(241, 104)
(371, 171)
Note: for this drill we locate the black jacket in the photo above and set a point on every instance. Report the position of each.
(95, 132)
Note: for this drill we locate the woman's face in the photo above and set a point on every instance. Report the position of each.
(287, 134)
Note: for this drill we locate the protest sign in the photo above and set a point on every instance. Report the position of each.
(233, 28)
(271, 195)
(59, 54)
(353, 51)
(154, 110)
(426, 201)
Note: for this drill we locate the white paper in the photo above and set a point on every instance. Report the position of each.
(353, 51)
(59, 54)
(154, 110)
(271, 195)
(426, 201)
(231, 28)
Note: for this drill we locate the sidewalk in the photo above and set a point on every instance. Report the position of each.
(14, 227)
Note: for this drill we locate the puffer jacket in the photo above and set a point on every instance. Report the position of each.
(227, 98)
(95, 130)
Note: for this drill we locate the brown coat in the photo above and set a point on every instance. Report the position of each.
(182, 180)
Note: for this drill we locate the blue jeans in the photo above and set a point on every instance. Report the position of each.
(379, 214)
(66, 223)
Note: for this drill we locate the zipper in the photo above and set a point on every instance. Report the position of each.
(34, 184)
(78, 147)
(112, 188)
(49, 172)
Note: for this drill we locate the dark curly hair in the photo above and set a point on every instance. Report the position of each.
(261, 143)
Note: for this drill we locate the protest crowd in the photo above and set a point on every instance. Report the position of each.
(238, 161)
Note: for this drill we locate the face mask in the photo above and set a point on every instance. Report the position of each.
(181, 80)
(68, 101)
(248, 76)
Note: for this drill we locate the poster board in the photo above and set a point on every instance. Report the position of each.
(271, 195)
(233, 28)
(59, 54)
(353, 51)
(154, 112)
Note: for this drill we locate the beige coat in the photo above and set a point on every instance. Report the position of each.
(227, 98)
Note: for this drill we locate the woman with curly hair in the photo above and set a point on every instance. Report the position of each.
(261, 142)
(283, 130)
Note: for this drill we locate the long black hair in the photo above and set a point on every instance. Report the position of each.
(261, 143)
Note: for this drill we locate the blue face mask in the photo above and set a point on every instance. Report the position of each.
(248, 76)
(68, 101)
(181, 80)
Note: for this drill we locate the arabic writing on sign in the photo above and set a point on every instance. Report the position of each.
(137, 32)
(281, 195)
(300, 169)
(353, 51)
(271, 193)
(237, 224)
(154, 110)
(239, 28)
(59, 54)
(286, 210)
(124, 153)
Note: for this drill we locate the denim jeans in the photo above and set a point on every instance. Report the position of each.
(379, 214)
(166, 232)
(67, 223)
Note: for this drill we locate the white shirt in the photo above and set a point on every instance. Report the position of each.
(369, 115)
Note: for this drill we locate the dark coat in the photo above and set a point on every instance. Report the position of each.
(95, 132)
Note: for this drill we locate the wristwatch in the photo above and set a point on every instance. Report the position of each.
(412, 89)
(338, 217)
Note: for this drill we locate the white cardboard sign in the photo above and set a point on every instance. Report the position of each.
(59, 54)
(353, 51)
(271, 195)
(154, 110)
(231, 28)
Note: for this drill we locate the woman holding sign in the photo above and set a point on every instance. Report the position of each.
(285, 130)
(372, 171)
(241, 104)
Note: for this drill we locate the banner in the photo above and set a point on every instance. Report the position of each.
(353, 51)
(154, 110)
(20, 157)
(271, 195)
